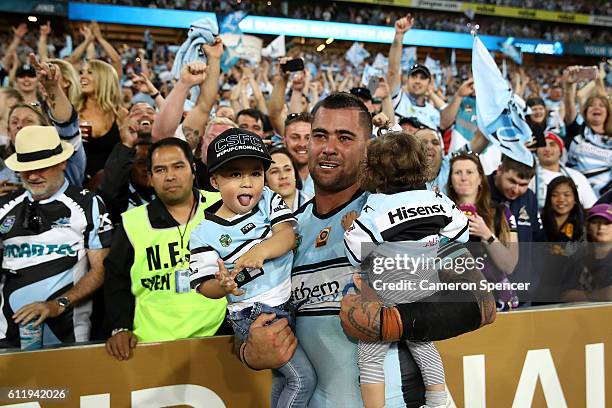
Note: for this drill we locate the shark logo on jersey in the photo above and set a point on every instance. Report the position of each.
(322, 238)
(225, 240)
(523, 218)
(7, 224)
(63, 222)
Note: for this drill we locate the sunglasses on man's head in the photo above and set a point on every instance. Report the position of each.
(297, 117)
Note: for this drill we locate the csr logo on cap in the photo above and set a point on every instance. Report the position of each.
(236, 140)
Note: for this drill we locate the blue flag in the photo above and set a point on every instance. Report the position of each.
(356, 54)
(509, 50)
(231, 25)
(500, 113)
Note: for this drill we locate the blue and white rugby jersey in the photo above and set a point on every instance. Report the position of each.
(46, 259)
(404, 106)
(217, 237)
(321, 276)
(321, 273)
(591, 154)
(419, 216)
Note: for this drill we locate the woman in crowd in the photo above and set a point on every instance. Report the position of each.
(283, 178)
(589, 142)
(563, 222)
(562, 215)
(589, 276)
(492, 229)
(8, 98)
(99, 107)
(541, 119)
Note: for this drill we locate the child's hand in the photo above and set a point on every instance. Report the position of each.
(253, 258)
(226, 280)
(348, 218)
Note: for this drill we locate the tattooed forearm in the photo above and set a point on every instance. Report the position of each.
(365, 320)
(51, 100)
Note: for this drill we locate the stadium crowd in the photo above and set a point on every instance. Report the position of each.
(387, 15)
(115, 182)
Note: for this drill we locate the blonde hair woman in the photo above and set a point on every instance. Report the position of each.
(70, 80)
(99, 107)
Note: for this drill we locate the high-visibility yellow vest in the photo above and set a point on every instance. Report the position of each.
(161, 313)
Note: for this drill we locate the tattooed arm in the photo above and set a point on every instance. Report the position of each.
(49, 76)
(169, 117)
(195, 122)
(440, 316)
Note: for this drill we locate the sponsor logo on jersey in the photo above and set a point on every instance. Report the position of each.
(247, 228)
(63, 222)
(225, 240)
(303, 292)
(27, 250)
(322, 238)
(402, 214)
(7, 224)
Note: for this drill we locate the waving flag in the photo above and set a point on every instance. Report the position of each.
(500, 113)
(511, 51)
(230, 25)
(276, 48)
(409, 57)
(356, 54)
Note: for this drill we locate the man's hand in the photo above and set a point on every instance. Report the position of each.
(20, 30)
(121, 345)
(128, 130)
(45, 29)
(49, 75)
(214, 51)
(193, 73)
(6, 187)
(143, 84)
(269, 345)
(39, 311)
(404, 24)
(359, 319)
(466, 88)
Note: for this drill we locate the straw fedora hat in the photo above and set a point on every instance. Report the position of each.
(37, 147)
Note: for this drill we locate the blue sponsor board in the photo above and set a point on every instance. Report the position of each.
(300, 28)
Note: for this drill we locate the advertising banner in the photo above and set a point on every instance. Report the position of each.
(533, 358)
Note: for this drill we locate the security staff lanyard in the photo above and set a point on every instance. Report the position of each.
(181, 274)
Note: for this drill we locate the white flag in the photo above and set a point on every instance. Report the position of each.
(276, 48)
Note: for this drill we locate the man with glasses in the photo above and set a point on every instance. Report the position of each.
(55, 237)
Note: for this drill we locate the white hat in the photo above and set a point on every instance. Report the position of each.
(37, 147)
